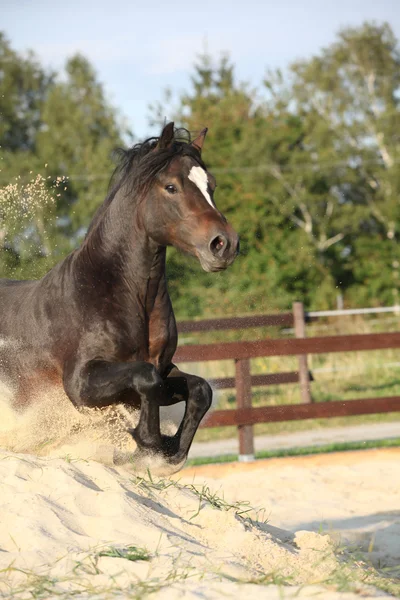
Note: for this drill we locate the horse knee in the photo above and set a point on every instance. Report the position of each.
(202, 392)
(147, 379)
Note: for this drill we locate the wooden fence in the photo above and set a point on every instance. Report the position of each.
(245, 416)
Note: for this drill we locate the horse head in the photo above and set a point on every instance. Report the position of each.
(179, 209)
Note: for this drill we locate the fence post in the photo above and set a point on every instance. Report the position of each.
(300, 332)
(243, 396)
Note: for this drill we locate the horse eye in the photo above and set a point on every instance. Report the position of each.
(171, 189)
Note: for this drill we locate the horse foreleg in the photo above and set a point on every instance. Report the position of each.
(197, 395)
(103, 383)
(99, 383)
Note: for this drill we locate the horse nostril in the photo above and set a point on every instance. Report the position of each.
(218, 245)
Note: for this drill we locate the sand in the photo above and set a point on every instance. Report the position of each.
(75, 524)
(352, 496)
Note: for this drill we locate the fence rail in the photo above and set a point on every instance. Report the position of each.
(236, 323)
(287, 347)
(297, 412)
(245, 416)
(225, 383)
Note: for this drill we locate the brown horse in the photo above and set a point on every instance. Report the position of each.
(101, 323)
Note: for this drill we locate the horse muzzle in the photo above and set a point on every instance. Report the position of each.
(221, 251)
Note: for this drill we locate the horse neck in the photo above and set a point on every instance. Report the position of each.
(119, 252)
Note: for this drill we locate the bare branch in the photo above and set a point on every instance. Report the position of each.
(325, 244)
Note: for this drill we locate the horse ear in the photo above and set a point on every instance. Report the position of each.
(199, 141)
(167, 136)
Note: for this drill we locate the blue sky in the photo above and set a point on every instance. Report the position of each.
(140, 48)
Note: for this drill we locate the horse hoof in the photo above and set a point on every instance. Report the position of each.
(156, 463)
(141, 444)
(166, 453)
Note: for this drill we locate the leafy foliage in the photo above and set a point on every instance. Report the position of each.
(52, 127)
(307, 171)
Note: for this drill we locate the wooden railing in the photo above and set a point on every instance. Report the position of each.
(245, 416)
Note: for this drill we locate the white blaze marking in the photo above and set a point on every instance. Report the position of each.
(199, 178)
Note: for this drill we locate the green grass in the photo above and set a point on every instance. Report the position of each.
(133, 553)
(242, 509)
(307, 450)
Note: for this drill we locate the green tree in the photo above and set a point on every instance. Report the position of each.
(24, 85)
(51, 127)
(306, 166)
(343, 181)
(307, 172)
(224, 106)
(79, 132)
(247, 138)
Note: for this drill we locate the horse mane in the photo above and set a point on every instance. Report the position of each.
(137, 167)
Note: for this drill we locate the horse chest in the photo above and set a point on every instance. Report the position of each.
(162, 340)
(154, 340)
(161, 330)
